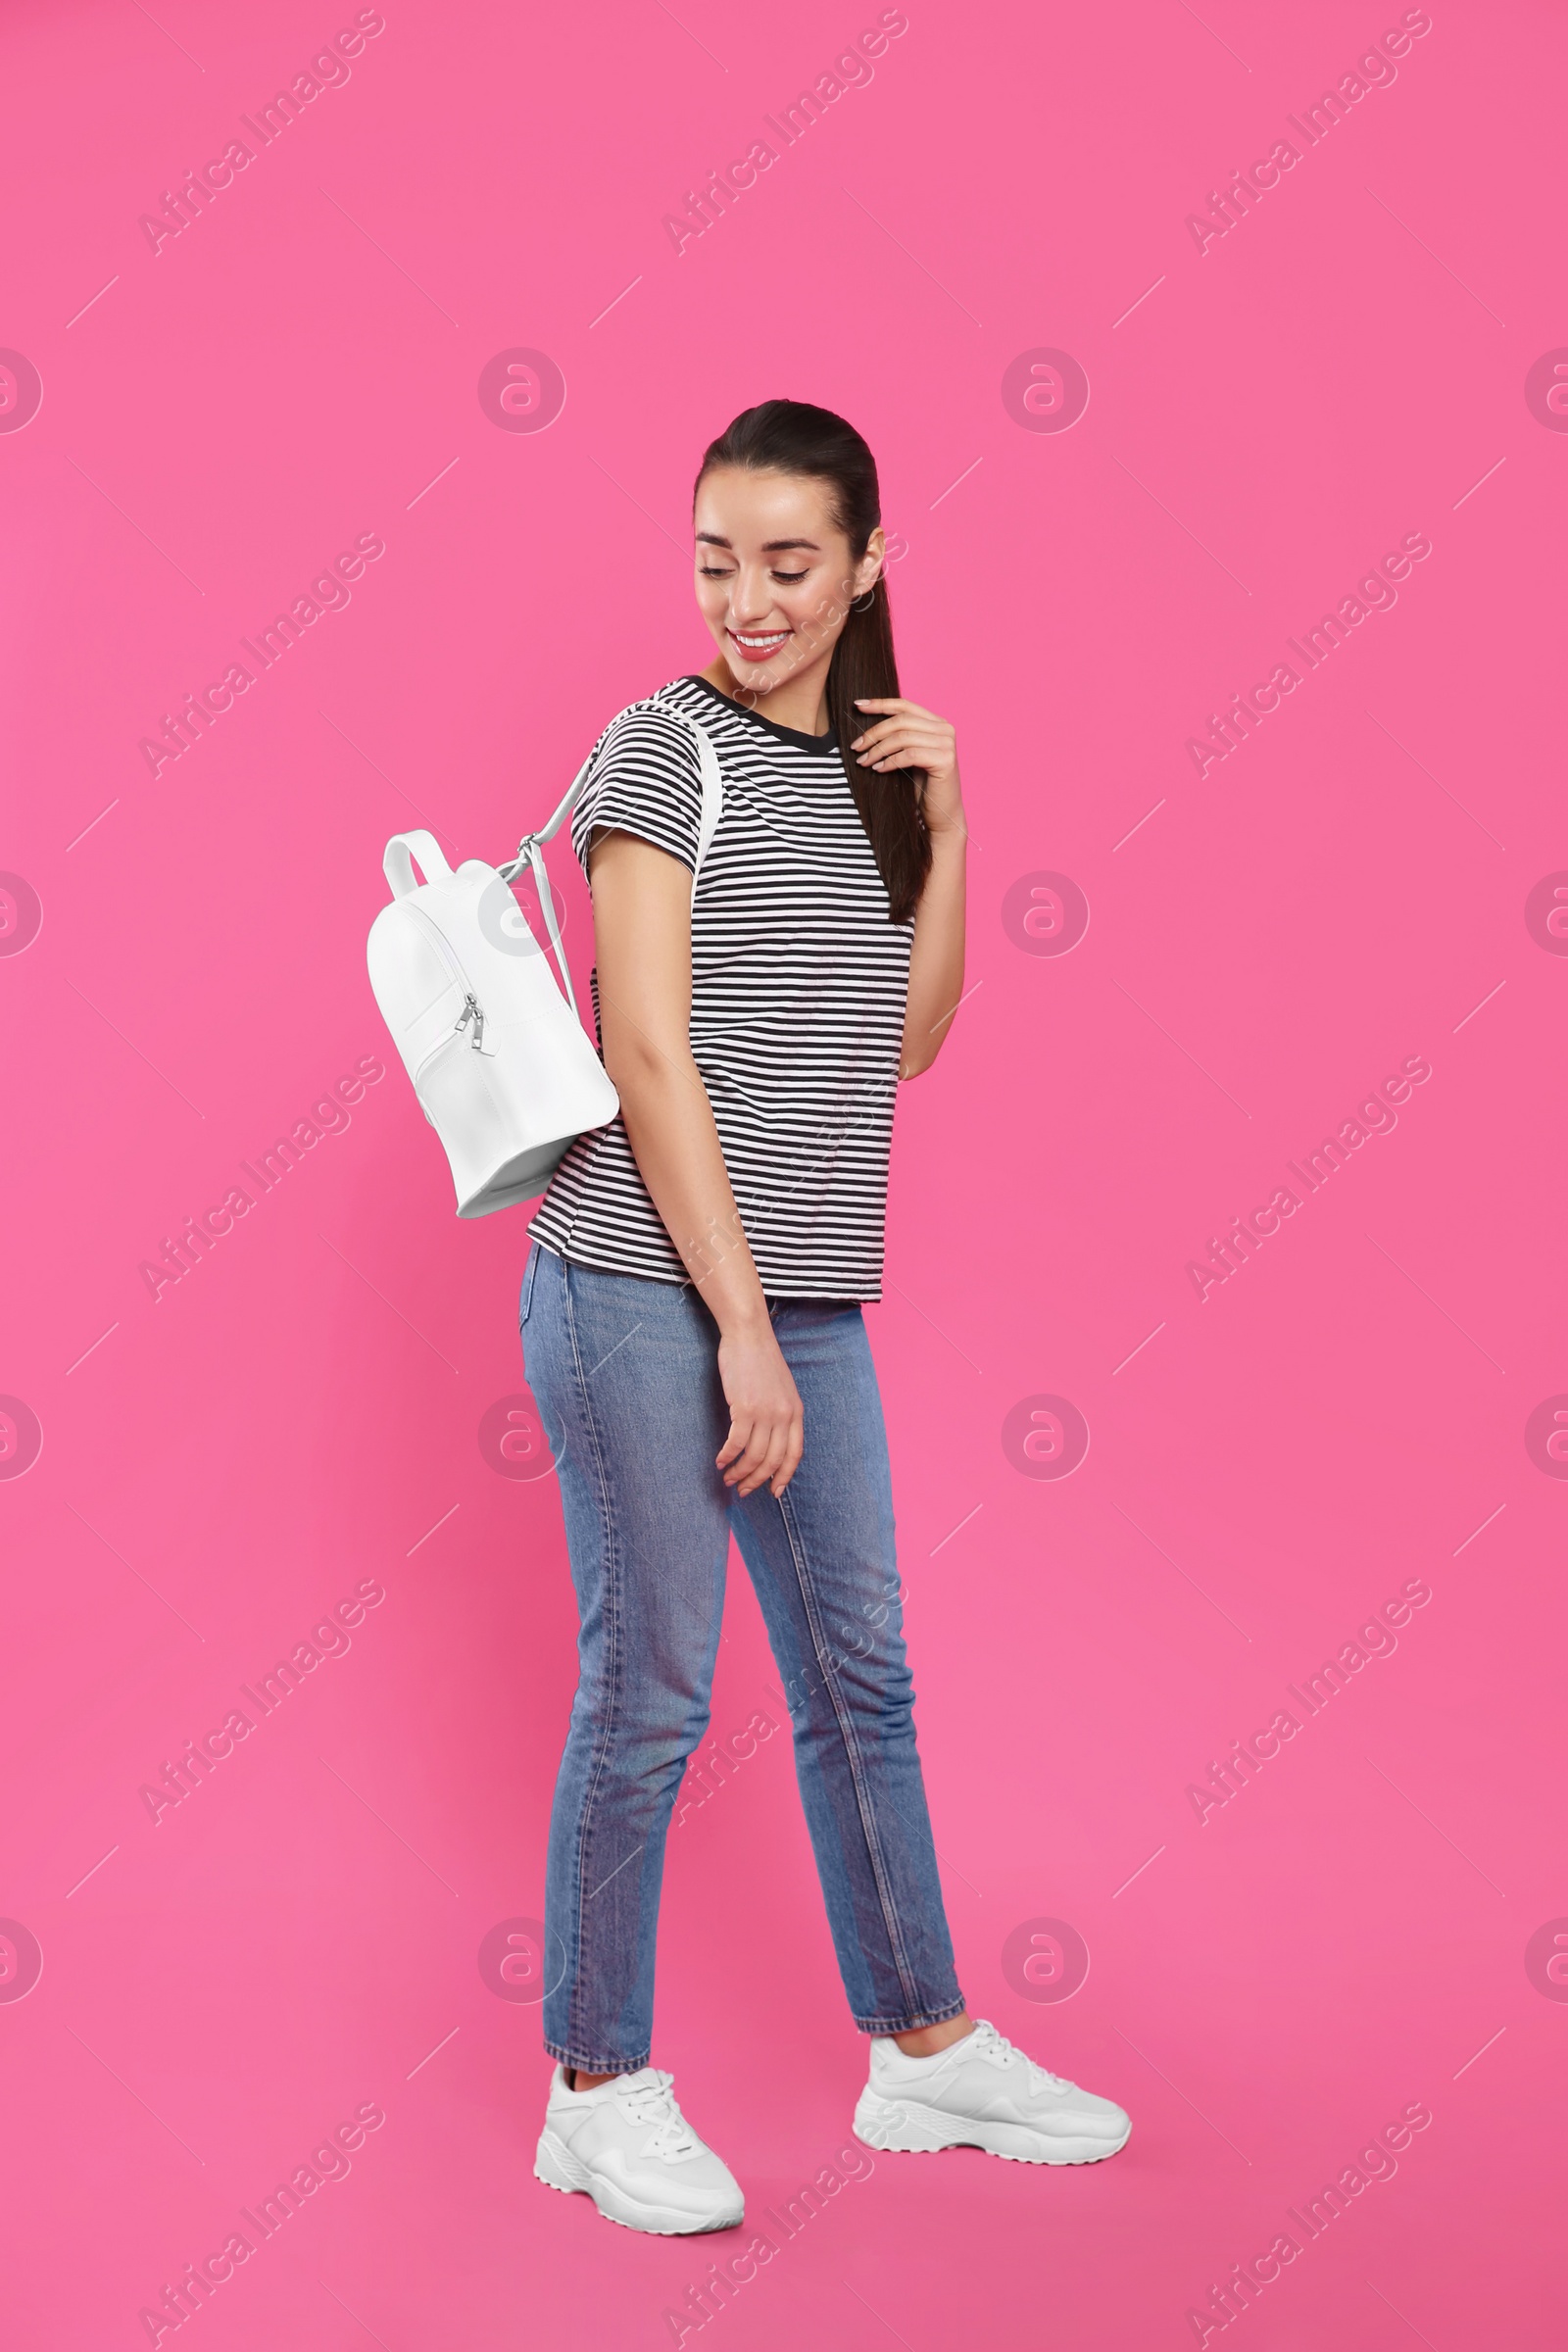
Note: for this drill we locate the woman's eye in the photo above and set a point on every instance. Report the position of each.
(789, 579)
(712, 571)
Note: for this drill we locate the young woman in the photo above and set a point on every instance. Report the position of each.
(692, 1328)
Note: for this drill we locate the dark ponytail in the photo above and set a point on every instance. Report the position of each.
(790, 436)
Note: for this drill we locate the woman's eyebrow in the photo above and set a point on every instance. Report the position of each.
(770, 546)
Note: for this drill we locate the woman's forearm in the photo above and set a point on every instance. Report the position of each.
(936, 958)
(670, 1125)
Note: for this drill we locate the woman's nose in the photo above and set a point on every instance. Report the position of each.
(751, 597)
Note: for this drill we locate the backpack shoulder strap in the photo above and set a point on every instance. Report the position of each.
(713, 785)
(712, 782)
(551, 826)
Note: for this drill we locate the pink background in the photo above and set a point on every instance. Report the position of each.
(300, 1413)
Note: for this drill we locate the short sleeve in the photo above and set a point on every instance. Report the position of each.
(645, 779)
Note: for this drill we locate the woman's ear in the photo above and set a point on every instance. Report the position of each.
(871, 564)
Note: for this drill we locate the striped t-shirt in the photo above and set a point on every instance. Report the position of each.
(799, 982)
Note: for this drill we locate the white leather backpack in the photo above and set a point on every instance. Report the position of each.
(501, 1063)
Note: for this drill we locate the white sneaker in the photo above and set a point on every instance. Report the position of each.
(628, 2144)
(983, 2094)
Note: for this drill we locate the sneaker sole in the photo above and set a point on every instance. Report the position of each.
(904, 2127)
(556, 2167)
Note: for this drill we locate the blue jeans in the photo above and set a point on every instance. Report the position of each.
(626, 1377)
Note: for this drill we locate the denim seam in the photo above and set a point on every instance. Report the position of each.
(900, 2024)
(566, 2056)
(900, 1958)
(613, 1618)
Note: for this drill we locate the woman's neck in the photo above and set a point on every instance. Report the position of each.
(799, 702)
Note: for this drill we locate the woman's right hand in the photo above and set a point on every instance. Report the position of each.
(766, 1419)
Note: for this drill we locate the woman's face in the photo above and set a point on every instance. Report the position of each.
(774, 574)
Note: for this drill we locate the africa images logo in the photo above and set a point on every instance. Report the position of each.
(1229, 1253)
(328, 70)
(852, 69)
(20, 391)
(1045, 1437)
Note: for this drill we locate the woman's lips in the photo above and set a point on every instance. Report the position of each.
(755, 647)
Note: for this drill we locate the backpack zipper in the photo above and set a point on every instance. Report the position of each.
(472, 1009)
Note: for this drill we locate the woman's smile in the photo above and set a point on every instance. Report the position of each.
(755, 648)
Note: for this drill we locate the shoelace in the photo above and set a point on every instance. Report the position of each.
(652, 2102)
(997, 2050)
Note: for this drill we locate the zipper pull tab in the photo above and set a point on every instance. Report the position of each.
(471, 1011)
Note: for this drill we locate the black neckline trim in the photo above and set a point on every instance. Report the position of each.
(806, 743)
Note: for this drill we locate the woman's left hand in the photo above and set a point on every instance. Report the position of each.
(912, 737)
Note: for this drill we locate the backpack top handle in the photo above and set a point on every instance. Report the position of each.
(401, 852)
